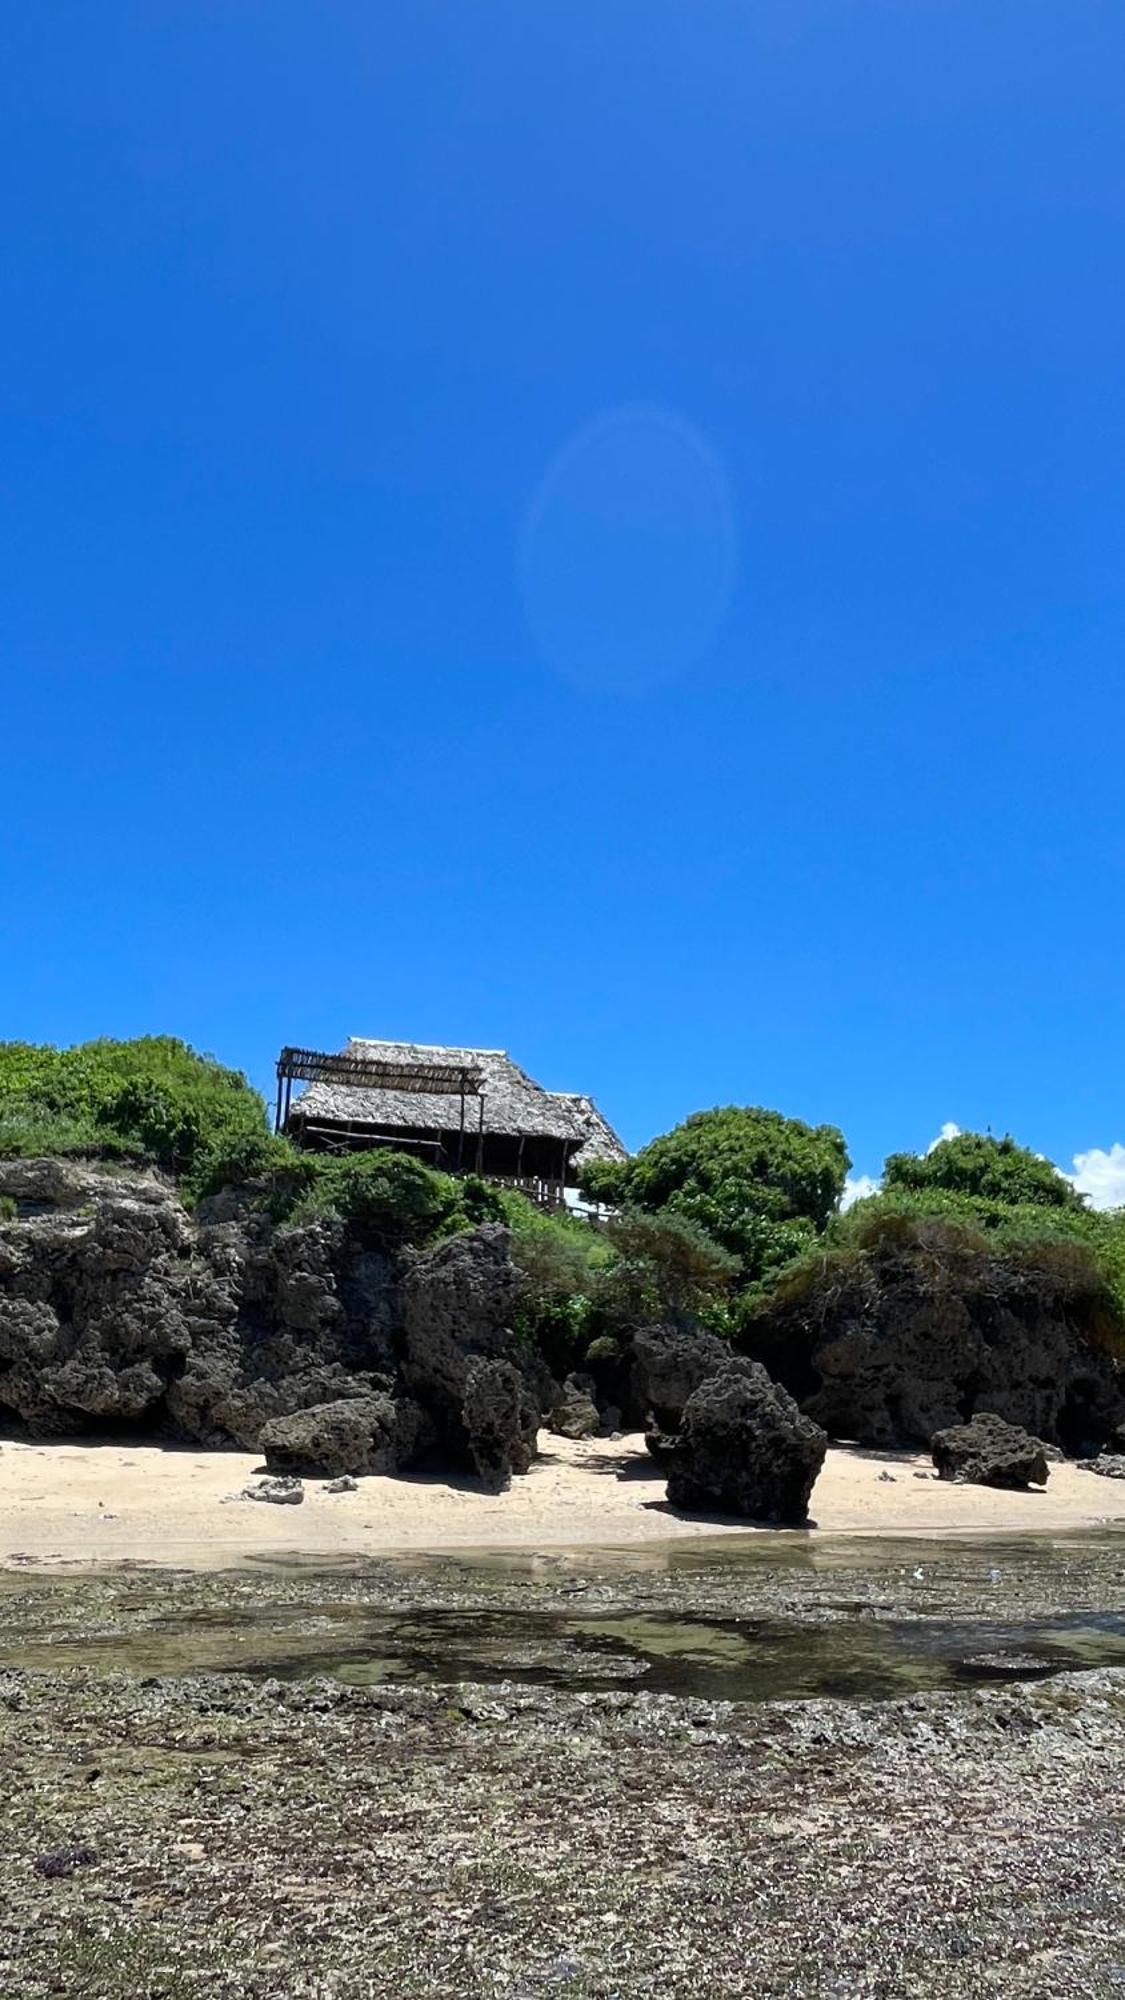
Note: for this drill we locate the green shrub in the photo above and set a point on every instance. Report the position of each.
(275, 1170)
(758, 1184)
(151, 1099)
(605, 1181)
(988, 1169)
(665, 1267)
(557, 1259)
(387, 1199)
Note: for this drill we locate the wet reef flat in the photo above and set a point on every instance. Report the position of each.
(521, 1776)
(215, 1835)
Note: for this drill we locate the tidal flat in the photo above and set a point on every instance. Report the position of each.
(738, 1768)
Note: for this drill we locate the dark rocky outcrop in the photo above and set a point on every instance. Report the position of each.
(358, 1434)
(500, 1423)
(989, 1452)
(574, 1413)
(923, 1324)
(456, 1303)
(743, 1447)
(118, 1309)
(668, 1366)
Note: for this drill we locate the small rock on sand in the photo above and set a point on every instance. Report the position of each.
(281, 1492)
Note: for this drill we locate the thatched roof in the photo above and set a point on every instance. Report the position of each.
(601, 1141)
(513, 1102)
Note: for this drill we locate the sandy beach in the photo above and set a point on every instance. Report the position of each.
(68, 1505)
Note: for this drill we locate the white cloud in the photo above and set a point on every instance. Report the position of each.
(857, 1187)
(1100, 1174)
(948, 1131)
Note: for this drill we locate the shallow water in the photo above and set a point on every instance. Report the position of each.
(736, 1660)
(769, 1618)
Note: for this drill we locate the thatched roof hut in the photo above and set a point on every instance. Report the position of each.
(471, 1109)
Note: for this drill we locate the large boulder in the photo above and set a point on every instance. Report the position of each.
(668, 1366)
(499, 1421)
(743, 1447)
(574, 1413)
(358, 1434)
(989, 1452)
(456, 1304)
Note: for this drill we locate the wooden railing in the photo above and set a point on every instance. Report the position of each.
(545, 1194)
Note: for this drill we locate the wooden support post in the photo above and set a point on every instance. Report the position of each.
(277, 1109)
(480, 1136)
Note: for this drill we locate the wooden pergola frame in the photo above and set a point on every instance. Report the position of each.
(416, 1079)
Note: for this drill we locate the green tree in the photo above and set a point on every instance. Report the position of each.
(760, 1185)
(986, 1169)
(664, 1267)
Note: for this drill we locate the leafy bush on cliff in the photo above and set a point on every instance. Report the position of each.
(664, 1267)
(893, 1251)
(559, 1260)
(386, 1199)
(759, 1184)
(151, 1099)
(987, 1169)
(1014, 1223)
(270, 1166)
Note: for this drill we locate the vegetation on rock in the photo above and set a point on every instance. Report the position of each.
(986, 1169)
(905, 1319)
(978, 1260)
(759, 1184)
(151, 1099)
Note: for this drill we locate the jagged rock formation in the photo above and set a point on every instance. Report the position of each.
(117, 1308)
(925, 1325)
(500, 1422)
(989, 1452)
(574, 1413)
(458, 1353)
(743, 1447)
(668, 1366)
(358, 1434)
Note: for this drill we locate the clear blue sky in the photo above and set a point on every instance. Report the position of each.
(596, 528)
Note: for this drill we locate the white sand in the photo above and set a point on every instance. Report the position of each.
(65, 1505)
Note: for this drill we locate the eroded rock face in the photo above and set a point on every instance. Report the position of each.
(357, 1435)
(574, 1413)
(117, 1308)
(668, 1366)
(100, 1296)
(989, 1452)
(743, 1447)
(456, 1304)
(917, 1334)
